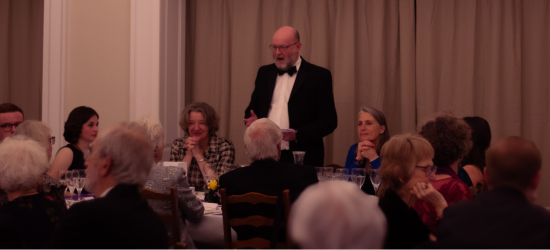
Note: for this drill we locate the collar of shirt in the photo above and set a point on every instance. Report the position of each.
(106, 192)
(298, 63)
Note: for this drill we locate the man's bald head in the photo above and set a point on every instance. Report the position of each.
(288, 34)
(514, 162)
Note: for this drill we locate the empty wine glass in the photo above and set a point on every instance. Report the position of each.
(71, 182)
(319, 173)
(358, 176)
(61, 177)
(79, 185)
(327, 173)
(342, 174)
(375, 179)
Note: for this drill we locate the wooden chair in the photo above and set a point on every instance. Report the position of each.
(255, 220)
(172, 218)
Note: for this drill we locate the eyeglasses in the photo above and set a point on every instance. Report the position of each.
(281, 48)
(429, 169)
(52, 140)
(7, 126)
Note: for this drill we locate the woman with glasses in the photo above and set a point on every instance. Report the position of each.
(41, 133)
(450, 139)
(373, 132)
(80, 131)
(407, 173)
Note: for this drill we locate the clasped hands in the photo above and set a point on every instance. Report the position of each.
(287, 136)
(191, 144)
(366, 150)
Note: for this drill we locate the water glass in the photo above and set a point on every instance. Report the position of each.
(358, 176)
(299, 157)
(360, 180)
(340, 174)
(327, 173)
(375, 179)
(319, 173)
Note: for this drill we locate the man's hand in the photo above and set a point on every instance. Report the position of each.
(289, 136)
(251, 119)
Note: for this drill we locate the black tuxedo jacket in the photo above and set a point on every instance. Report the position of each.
(501, 218)
(267, 177)
(311, 109)
(121, 219)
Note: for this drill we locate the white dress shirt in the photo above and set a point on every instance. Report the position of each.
(278, 113)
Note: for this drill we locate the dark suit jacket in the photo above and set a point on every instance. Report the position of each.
(121, 219)
(501, 218)
(311, 109)
(267, 177)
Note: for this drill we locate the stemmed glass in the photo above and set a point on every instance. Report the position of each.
(319, 173)
(71, 182)
(358, 176)
(61, 175)
(327, 173)
(80, 181)
(375, 179)
(342, 174)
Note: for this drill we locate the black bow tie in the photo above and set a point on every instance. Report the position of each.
(290, 71)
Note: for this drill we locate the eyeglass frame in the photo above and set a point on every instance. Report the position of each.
(52, 140)
(10, 126)
(281, 48)
(427, 169)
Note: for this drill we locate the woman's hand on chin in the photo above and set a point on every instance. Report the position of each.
(430, 195)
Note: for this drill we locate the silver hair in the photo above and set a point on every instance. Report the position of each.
(22, 163)
(153, 129)
(261, 140)
(35, 130)
(129, 148)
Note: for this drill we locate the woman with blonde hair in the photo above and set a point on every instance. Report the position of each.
(407, 173)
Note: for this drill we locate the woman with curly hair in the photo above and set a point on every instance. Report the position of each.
(80, 131)
(450, 139)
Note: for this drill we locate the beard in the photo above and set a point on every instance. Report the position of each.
(288, 61)
(91, 181)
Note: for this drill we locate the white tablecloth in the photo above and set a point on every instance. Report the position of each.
(209, 231)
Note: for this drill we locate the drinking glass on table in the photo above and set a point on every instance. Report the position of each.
(299, 157)
(61, 177)
(319, 173)
(342, 174)
(71, 182)
(375, 179)
(358, 176)
(79, 186)
(327, 173)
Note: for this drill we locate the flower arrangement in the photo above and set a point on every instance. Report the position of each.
(212, 192)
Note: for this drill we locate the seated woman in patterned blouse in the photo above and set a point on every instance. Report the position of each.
(162, 178)
(206, 154)
(450, 139)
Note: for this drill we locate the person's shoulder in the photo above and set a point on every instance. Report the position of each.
(180, 140)
(222, 141)
(313, 67)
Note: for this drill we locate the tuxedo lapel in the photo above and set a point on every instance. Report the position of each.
(300, 78)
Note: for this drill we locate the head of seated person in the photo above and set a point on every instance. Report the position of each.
(10, 117)
(372, 127)
(22, 163)
(120, 155)
(262, 140)
(324, 218)
(514, 162)
(37, 131)
(155, 131)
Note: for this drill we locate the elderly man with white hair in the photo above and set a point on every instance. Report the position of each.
(117, 168)
(28, 219)
(265, 175)
(162, 178)
(324, 218)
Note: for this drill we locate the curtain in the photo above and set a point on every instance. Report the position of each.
(410, 59)
(490, 59)
(21, 35)
(367, 45)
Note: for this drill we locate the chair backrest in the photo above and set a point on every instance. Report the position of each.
(254, 220)
(334, 166)
(172, 218)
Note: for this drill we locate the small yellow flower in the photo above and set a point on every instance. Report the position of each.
(212, 185)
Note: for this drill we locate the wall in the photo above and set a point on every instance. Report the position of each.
(98, 59)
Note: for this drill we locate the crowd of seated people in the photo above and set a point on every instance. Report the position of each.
(422, 201)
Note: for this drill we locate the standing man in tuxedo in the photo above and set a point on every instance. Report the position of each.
(295, 95)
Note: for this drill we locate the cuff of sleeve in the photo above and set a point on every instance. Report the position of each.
(375, 164)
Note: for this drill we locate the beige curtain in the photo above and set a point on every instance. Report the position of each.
(21, 32)
(367, 45)
(488, 58)
(408, 58)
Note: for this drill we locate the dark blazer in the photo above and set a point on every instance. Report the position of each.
(267, 177)
(501, 218)
(311, 109)
(121, 219)
(405, 228)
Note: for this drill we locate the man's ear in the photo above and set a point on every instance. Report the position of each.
(106, 167)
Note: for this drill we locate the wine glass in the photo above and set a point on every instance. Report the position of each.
(319, 173)
(71, 182)
(79, 185)
(327, 173)
(61, 175)
(375, 179)
(358, 176)
(342, 174)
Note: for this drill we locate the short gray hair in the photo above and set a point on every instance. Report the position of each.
(22, 164)
(129, 148)
(261, 140)
(153, 129)
(35, 130)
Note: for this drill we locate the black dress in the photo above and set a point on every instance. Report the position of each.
(28, 221)
(405, 228)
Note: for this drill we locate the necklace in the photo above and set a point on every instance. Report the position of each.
(77, 147)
